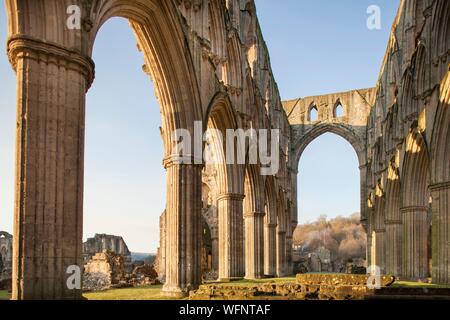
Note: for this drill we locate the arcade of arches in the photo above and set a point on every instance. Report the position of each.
(209, 63)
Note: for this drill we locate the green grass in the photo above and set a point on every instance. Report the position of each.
(141, 293)
(154, 292)
(245, 282)
(410, 284)
(4, 295)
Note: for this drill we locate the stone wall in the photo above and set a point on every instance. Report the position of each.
(103, 271)
(408, 150)
(6, 243)
(103, 242)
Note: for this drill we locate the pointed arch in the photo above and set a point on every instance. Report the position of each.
(162, 40)
(415, 206)
(220, 117)
(313, 113)
(217, 29)
(338, 110)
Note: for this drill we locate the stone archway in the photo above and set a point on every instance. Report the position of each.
(270, 225)
(351, 126)
(49, 60)
(415, 207)
(393, 221)
(55, 70)
(230, 198)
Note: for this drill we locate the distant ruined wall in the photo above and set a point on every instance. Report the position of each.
(103, 242)
(6, 241)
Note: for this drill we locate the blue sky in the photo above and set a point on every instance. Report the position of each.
(316, 47)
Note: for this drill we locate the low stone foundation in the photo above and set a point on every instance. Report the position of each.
(306, 287)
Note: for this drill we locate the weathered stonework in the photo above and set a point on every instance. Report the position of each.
(103, 242)
(210, 64)
(103, 271)
(408, 149)
(6, 257)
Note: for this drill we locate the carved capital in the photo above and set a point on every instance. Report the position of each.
(20, 46)
(254, 214)
(440, 186)
(410, 209)
(230, 196)
(182, 160)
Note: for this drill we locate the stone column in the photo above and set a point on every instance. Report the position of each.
(270, 250)
(289, 265)
(441, 233)
(254, 245)
(281, 253)
(183, 228)
(162, 246)
(51, 86)
(231, 236)
(379, 250)
(363, 193)
(415, 239)
(369, 248)
(394, 230)
(215, 249)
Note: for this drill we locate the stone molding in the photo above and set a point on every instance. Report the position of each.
(21, 46)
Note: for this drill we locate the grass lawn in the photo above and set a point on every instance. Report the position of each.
(4, 295)
(154, 292)
(245, 283)
(410, 284)
(142, 293)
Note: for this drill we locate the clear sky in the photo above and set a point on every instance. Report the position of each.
(316, 47)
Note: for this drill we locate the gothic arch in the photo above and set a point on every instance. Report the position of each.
(337, 129)
(217, 30)
(393, 221)
(440, 188)
(415, 206)
(160, 36)
(220, 117)
(254, 222)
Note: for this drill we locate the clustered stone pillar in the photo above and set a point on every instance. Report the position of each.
(231, 236)
(270, 249)
(281, 252)
(440, 233)
(289, 266)
(51, 83)
(183, 223)
(393, 244)
(415, 239)
(215, 249)
(254, 249)
(379, 250)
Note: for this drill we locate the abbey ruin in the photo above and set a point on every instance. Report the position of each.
(209, 64)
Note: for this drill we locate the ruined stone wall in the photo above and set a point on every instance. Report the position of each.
(103, 242)
(408, 174)
(6, 245)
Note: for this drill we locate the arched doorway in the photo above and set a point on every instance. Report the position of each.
(415, 208)
(122, 193)
(329, 188)
(51, 141)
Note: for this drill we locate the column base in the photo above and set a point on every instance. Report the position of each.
(173, 292)
(230, 279)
